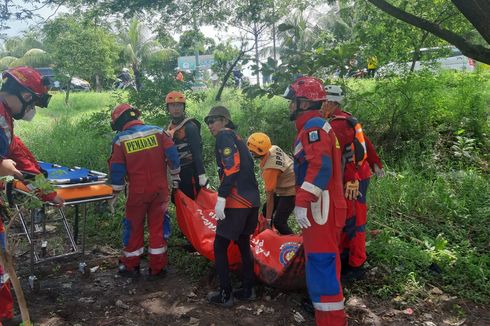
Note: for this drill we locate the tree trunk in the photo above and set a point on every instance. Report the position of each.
(137, 76)
(227, 76)
(274, 30)
(97, 83)
(256, 40)
(68, 89)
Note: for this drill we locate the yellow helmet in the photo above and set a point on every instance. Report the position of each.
(259, 143)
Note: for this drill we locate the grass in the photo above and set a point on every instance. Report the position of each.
(432, 208)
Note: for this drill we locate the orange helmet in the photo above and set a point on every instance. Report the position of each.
(259, 143)
(120, 118)
(175, 97)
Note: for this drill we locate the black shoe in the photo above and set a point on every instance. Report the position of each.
(156, 276)
(133, 273)
(353, 274)
(245, 294)
(221, 298)
(307, 305)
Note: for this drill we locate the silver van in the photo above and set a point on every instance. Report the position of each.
(449, 58)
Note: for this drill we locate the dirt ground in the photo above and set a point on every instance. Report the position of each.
(66, 297)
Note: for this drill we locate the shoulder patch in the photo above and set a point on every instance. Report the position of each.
(226, 151)
(313, 136)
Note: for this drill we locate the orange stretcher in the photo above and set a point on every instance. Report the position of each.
(78, 187)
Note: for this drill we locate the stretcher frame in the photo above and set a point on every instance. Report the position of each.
(71, 235)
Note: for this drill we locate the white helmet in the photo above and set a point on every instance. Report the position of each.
(334, 93)
(125, 69)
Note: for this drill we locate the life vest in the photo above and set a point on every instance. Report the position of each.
(178, 134)
(356, 151)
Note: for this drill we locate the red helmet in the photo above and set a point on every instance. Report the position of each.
(32, 81)
(175, 97)
(306, 87)
(119, 110)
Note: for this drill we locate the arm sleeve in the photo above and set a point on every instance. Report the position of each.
(25, 160)
(229, 157)
(194, 139)
(171, 154)
(270, 177)
(318, 156)
(372, 155)
(117, 168)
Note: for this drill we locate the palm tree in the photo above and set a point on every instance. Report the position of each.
(139, 45)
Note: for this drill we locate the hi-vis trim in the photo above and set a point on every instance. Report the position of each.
(139, 134)
(329, 306)
(135, 253)
(327, 127)
(4, 125)
(140, 144)
(311, 188)
(157, 251)
(298, 148)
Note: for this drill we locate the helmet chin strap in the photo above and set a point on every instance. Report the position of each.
(25, 104)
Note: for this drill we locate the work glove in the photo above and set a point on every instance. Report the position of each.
(175, 178)
(219, 209)
(379, 172)
(112, 202)
(301, 217)
(352, 189)
(203, 180)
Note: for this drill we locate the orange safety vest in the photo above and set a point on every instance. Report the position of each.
(357, 151)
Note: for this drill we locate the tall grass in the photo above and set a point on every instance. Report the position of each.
(433, 208)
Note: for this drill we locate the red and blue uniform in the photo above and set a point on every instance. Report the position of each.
(317, 164)
(140, 155)
(354, 233)
(12, 147)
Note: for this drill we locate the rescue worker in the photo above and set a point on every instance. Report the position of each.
(319, 203)
(23, 89)
(372, 65)
(236, 208)
(141, 154)
(358, 156)
(186, 134)
(278, 174)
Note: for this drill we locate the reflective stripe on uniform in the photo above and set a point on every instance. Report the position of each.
(311, 188)
(327, 127)
(329, 306)
(6, 127)
(157, 251)
(117, 187)
(298, 148)
(135, 253)
(138, 134)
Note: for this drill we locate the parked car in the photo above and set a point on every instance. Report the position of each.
(449, 58)
(76, 84)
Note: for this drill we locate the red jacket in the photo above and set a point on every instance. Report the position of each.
(317, 162)
(345, 134)
(13, 148)
(141, 153)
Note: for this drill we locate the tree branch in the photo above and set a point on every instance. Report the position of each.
(469, 49)
(478, 14)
